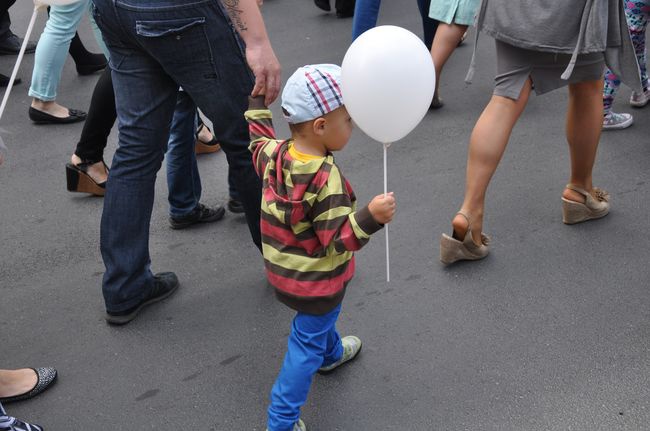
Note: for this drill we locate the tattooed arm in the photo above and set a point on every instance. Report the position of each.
(247, 19)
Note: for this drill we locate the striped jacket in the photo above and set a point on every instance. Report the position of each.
(309, 224)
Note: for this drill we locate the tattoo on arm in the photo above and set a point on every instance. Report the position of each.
(235, 14)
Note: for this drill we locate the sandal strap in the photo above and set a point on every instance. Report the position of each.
(577, 189)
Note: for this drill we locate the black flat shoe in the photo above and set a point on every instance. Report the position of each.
(4, 80)
(40, 117)
(45, 377)
(95, 63)
(78, 180)
(235, 206)
(200, 214)
(10, 45)
(323, 4)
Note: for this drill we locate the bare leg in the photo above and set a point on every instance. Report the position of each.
(486, 146)
(583, 127)
(50, 107)
(445, 41)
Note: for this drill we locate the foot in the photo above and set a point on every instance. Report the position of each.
(96, 171)
(437, 102)
(298, 426)
(164, 285)
(461, 224)
(351, 348)
(17, 382)
(19, 385)
(616, 121)
(235, 206)
(200, 214)
(4, 80)
(52, 108)
(639, 100)
(323, 4)
(10, 44)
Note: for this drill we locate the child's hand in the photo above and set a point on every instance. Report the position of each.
(383, 208)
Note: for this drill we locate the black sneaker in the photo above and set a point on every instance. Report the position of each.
(164, 284)
(200, 214)
(235, 206)
(10, 44)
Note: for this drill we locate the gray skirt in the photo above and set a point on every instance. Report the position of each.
(515, 65)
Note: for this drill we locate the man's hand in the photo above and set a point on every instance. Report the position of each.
(383, 208)
(266, 68)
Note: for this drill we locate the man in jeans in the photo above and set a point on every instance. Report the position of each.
(156, 46)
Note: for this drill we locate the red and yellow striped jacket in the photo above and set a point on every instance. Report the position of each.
(309, 224)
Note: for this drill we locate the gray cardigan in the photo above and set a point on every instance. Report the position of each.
(564, 27)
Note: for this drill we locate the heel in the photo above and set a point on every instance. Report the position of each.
(574, 212)
(81, 182)
(449, 249)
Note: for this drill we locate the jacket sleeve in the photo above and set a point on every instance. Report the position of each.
(334, 219)
(262, 133)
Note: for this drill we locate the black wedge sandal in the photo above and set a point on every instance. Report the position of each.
(79, 181)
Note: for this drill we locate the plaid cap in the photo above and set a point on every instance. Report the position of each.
(311, 92)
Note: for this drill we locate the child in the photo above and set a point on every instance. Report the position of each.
(309, 229)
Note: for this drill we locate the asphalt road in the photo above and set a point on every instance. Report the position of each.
(550, 332)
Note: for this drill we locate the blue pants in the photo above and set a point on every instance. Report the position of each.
(313, 343)
(155, 46)
(183, 180)
(367, 11)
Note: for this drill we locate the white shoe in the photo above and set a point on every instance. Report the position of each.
(639, 100)
(614, 121)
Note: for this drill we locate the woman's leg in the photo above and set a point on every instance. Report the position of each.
(100, 121)
(50, 56)
(486, 146)
(365, 16)
(445, 41)
(429, 25)
(583, 127)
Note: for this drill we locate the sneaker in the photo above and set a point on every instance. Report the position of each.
(235, 206)
(164, 285)
(615, 121)
(639, 100)
(10, 44)
(200, 214)
(298, 426)
(351, 348)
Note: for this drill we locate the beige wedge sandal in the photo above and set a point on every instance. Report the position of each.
(452, 250)
(596, 205)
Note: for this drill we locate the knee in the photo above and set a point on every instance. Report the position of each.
(586, 89)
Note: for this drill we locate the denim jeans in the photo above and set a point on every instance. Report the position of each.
(313, 343)
(183, 180)
(52, 48)
(156, 46)
(367, 11)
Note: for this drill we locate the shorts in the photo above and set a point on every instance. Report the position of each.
(515, 65)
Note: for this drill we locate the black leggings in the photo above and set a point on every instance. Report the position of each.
(100, 120)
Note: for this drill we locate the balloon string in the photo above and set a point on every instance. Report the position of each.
(18, 61)
(386, 227)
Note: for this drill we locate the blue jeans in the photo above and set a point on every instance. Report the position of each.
(313, 343)
(367, 11)
(156, 46)
(365, 16)
(52, 48)
(183, 180)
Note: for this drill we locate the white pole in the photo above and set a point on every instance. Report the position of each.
(18, 61)
(386, 227)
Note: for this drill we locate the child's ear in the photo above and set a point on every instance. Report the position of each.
(319, 126)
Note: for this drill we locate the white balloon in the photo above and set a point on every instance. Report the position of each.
(388, 82)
